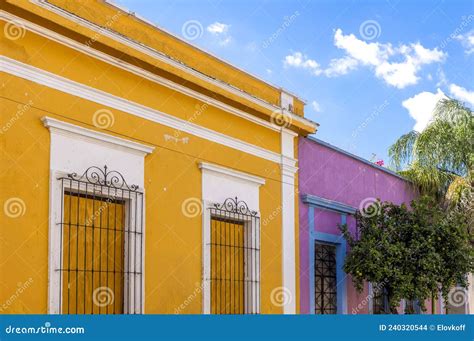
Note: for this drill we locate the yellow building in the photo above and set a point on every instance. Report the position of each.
(140, 174)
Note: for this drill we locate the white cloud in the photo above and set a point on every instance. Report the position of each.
(426, 56)
(218, 28)
(377, 55)
(221, 32)
(341, 66)
(467, 40)
(366, 53)
(399, 75)
(421, 107)
(316, 107)
(397, 66)
(299, 60)
(462, 94)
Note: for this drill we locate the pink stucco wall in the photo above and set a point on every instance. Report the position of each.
(331, 174)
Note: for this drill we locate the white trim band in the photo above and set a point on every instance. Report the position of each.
(165, 59)
(135, 70)
(65, 85)
(58, 126)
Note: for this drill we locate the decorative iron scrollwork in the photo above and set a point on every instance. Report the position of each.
(96, 175)
(235, 205)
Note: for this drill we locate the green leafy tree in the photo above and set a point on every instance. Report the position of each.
(413, 252)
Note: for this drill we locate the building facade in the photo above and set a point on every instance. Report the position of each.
(333, 185)
(140, 174)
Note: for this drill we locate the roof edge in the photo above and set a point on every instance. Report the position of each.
(148, 22)
(356, 157)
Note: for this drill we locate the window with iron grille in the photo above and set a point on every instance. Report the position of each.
(380, 300)
(412, 307)
(325, 278)
(234, 258)
(100, 239)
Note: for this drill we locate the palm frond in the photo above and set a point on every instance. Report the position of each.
(401, 152)
(431, 181)
(438, 157)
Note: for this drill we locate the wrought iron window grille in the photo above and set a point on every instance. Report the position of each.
(325, 274)
(100, 244)
(234, 258)
(380, 300)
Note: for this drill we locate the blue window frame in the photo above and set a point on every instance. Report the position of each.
(340, 245)
(337, 241)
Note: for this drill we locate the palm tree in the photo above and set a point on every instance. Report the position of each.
(440, 159)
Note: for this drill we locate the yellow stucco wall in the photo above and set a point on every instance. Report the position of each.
(168, 44)
(173, 259)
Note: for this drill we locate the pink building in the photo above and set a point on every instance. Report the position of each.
(333, 184)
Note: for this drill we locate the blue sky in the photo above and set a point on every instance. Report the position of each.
(369, 70)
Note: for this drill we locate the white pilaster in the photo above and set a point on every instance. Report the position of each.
(288, 171)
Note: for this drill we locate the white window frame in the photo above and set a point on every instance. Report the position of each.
(232, 184)
(250, 225)
(131, 205)
(99, 147)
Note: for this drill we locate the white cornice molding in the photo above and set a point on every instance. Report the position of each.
(61, 127)
(165, 59)
(73, 88)
(44, 32)
(231, 172)
(288, 170)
